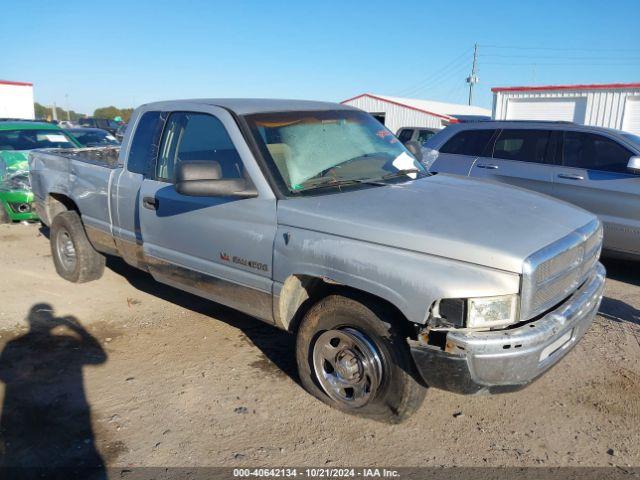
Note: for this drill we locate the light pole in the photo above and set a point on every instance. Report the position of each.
(473, 78)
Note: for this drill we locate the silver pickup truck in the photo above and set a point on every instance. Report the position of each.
(315, 218)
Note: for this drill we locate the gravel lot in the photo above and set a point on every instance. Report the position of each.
(173, 380)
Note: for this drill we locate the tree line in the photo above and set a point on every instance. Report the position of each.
(110, 112)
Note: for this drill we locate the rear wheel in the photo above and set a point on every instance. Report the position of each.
(352, 357)
(74, 257)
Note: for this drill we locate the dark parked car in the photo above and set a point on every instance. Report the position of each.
(93, 137)
(104, 123)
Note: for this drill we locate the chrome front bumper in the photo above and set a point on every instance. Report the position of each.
(510, 359)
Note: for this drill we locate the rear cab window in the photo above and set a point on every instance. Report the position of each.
(144, 144)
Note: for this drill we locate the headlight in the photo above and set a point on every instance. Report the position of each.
(481, 312)
(492, 311)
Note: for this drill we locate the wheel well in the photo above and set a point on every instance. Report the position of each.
(58, 203)
(300, 292)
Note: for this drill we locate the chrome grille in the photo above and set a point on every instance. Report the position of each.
(558, 265)
(550, 275)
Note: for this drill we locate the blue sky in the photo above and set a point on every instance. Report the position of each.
(127, 53)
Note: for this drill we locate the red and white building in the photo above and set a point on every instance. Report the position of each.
(612, 105)
(16, 100)
(398, 112)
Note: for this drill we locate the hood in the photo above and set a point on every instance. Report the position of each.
(14, 160)
(470, 220)
(14, 170)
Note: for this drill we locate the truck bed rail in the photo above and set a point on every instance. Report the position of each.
(102, 156)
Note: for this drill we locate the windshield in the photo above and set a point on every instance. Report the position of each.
(31, 139)
(329, 148)
(633, 138)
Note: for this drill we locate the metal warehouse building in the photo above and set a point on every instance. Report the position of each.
(397, 112)
(16, 100)
(614, 105)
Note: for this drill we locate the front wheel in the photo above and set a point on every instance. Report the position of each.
(351, 356)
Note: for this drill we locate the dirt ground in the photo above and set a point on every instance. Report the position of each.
(140, 374)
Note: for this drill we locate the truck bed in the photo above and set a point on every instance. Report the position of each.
(83, 175)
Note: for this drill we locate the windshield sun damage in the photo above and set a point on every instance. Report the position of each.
(316, 149)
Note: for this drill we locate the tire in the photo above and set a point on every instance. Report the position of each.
(344, 337)
(4, 216)
(73, 255)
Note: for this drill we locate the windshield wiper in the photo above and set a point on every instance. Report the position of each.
(321, 182)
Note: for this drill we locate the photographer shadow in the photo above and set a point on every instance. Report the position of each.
(46, 419)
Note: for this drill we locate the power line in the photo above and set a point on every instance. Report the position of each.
(453, 90)
(452, 66)
(567, 64)
(563, 49)
(440, 84)
(556, 57)
(419, 85)
(442, 76)
(458, 64)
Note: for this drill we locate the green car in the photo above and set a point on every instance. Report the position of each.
(16, 139)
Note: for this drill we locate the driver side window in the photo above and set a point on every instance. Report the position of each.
(192, 136)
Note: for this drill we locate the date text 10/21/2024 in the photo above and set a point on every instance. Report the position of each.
(315, 473)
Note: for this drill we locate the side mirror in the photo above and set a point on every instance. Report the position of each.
(415, 148)
(634, 164)
(200, 178)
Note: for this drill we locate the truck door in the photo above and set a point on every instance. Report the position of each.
(140, 150)
(518, 157)
(217, 247)
(593, 175)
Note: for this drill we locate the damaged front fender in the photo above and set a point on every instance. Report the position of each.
(411, 281)
(15, 188)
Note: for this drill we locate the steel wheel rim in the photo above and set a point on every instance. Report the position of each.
(348, 366)
(66, 250)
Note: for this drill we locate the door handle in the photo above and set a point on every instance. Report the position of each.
(488, 166)
(150, 202)
(568, 176)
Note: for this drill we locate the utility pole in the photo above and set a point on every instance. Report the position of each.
(473, 78)
(66, 99)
